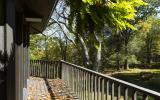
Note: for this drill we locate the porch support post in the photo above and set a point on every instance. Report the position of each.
(27, 52)
(19, 56)
(25, 63)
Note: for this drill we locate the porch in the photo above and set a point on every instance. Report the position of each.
(60, 80)
(49, 89)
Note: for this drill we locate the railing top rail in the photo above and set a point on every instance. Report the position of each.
(45, 60)
(136, 87)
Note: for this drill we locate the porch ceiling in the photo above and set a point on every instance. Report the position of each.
(37, 9)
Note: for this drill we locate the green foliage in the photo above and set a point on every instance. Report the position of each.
(155, 30)
(115, 14)
(143, 12)
(53, 48)
(145, 44)
(87, 23)
(37, 47)
(40, 48)
(88, 18)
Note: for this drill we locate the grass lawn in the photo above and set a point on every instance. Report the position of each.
(148, 78)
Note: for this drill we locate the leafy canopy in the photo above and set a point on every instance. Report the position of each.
(115, 13)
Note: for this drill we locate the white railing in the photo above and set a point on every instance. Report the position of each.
(91, 85)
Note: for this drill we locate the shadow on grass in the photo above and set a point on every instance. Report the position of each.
(144, 79)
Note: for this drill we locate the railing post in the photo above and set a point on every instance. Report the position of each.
(92, 89)
(95, 87)
(119, 92)
(98, 90)
(134, 95)
(89, 85)
(145, 97)
(85, 83)
(78, 82)
(102, 94)
(72, 78)
(112, 93)
(81, 86)
(83, 73)
(63, 72)
(126, 93)
(107, 89)
(60, 64)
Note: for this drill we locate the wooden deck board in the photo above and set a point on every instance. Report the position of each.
(49, 89)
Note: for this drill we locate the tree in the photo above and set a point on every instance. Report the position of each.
(37, 46)
(155, 30)
(149, 33)
(44, 47)
(89, 17)
(142, 14)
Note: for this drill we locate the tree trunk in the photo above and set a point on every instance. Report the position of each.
(117, 54)
(97, 61)
(85, 52)
(46, 49)
(65, 51)
(126, 67)
(118, 61)
(149, 51)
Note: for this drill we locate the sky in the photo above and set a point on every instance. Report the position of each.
(158, 10)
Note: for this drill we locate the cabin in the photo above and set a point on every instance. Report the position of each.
(24, 79)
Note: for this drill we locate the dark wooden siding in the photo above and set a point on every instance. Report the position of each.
(2, 12)
(2, 90)
(2, 53)
(10, 47)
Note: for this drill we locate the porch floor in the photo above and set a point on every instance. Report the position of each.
(49, 89)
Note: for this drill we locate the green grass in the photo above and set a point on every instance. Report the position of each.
(148, 78)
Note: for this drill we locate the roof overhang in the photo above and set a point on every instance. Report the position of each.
(36, 13)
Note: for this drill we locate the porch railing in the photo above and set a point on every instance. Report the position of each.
(45, 69)
(91, 85)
